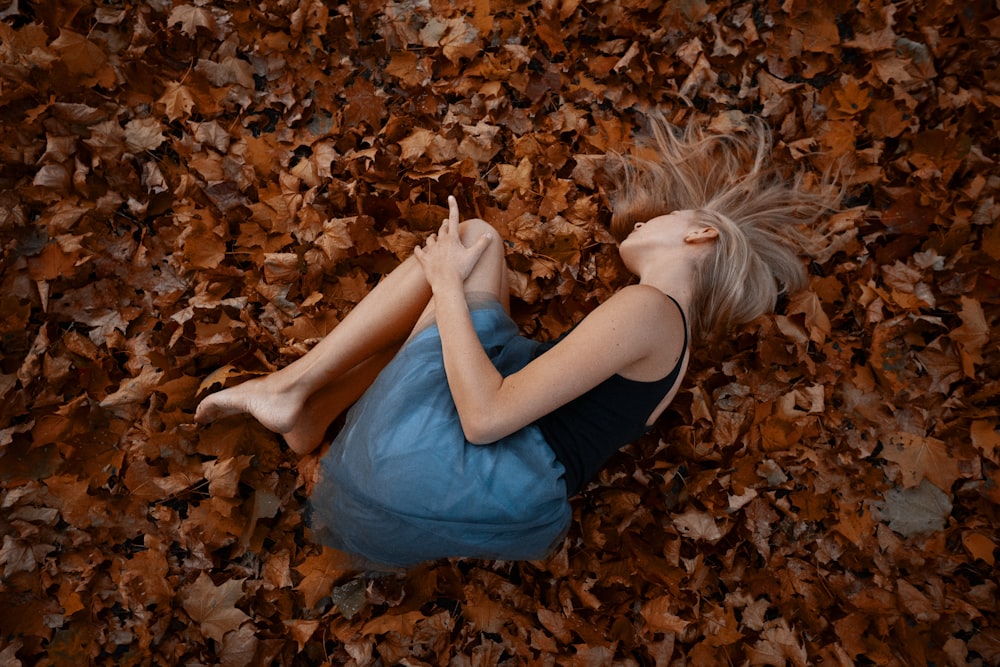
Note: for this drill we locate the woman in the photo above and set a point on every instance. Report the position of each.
(467, 439)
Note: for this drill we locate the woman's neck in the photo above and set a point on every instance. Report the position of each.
(673, 276)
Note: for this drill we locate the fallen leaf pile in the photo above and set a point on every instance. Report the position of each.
(194, 192)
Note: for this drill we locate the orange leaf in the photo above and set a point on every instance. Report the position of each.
(178, 100)
(852, 96)
(403, 624)
(921, 457)
(513, 179)
(980, 546)
(972, 335)
(319, 573)
(659, 618)
(986, 439)
(223, 475)
(461, 41)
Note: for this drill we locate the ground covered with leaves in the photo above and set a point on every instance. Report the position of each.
(196, 192)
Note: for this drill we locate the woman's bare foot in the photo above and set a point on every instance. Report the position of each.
(309, 430)
(276, 410)
(302, 425)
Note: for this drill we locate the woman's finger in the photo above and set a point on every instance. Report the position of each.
(453, 214)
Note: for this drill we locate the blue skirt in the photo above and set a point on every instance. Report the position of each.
(401, 485)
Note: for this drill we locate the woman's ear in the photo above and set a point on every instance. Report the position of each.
(702, 235)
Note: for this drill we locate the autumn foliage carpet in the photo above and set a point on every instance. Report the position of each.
(194, 193)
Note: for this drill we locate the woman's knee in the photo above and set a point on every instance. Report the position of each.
(472, 229)
(490, 273)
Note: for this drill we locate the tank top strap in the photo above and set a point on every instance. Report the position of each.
(684, 321)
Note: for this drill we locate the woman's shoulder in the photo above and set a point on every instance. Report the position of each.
(644, 299)
(638, 312)
(656, 324)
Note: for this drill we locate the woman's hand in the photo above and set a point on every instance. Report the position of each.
(446, 261)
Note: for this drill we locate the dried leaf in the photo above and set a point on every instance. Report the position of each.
(194, 185)
(915, 511)
(213, 607)
(190, 18)
(922, 458)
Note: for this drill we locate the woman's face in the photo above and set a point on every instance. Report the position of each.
(673, 232)
(669, 229)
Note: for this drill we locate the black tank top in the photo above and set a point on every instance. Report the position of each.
(588, 430)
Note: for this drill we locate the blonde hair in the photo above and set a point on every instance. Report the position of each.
(729, 181)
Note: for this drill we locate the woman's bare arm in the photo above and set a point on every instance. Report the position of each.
(630, 327)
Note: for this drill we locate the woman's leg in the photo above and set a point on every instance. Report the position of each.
(329, 401)
(343, 365)
(488, 278)
(380, 320)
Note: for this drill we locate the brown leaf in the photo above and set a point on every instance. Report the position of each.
(16, 556)
(134, 391)
(319, 573)
(778, 645)
(223, 475)
(972, 335)
(658, 616)
(84, 58)
(986, 438)
(213, 607)
(513, 179)
(921, 457)
(177, 100)
(190, 18)
(143, 134)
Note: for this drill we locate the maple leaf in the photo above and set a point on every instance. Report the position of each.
(461, 40)
(190, 18)
(286, 115)
(213, 607)
(203, 247)
(134, 391)
(922, 457)
(721, 627)
(409, 68)
(699, 526)
(480, 142)
(486, 614)
(240, 647)
(778, 645)
(657, 613)
(220, 376)
(923, 509)
(856, 524)
(143, 134)
(301, 630)
(223, 475)
(513, 179)
(83, 57)
(972, 335)
(424, 143)
(16, 556)
(53, 176)
(320, 572)
(145, 574)
(230, 70)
